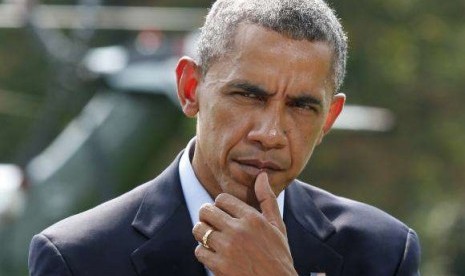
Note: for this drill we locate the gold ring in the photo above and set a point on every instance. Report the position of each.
(205, 238)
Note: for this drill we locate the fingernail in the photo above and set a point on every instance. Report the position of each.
(263, 175)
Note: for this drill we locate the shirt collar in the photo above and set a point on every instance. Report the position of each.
(194, 193)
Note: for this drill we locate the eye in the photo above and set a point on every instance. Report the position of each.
(304, 106)
(250, 95)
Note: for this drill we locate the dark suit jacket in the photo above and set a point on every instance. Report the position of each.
(147, 231)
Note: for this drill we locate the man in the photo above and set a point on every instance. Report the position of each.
(264, 92)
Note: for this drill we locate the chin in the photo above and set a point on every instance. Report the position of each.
(244, 192)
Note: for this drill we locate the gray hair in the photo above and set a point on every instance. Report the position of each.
(312, 20)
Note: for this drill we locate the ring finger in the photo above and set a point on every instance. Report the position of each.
(200, 230)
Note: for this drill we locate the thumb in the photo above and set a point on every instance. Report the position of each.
(268, 203)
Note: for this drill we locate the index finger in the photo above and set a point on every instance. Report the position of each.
(233, 206)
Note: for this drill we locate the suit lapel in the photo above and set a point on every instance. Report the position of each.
(307, 231)
(164, 219)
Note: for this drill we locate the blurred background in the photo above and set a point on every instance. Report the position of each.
(88, 111)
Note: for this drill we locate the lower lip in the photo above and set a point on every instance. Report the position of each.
(250, 170)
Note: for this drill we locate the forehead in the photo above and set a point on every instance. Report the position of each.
(249, 36)
(273, 59)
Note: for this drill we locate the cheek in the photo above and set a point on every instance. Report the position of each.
(303, 144)
(222, 126)
(300, 154)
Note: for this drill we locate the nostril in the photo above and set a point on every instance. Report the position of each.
(269, 138)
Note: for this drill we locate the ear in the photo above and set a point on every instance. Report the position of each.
(187, 80)
(337, 104)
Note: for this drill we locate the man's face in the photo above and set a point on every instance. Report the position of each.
(262, 107)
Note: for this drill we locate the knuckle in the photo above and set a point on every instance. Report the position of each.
(237, 236)
(227, 243)
(221, 199)
(253, 219)
(219, 267)
(206, 209)
(197, 228)
(199, 252)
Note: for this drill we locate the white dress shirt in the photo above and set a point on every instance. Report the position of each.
(194, 193)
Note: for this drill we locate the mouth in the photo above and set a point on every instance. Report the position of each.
(256, 166)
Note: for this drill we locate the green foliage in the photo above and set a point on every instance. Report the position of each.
(406, 56)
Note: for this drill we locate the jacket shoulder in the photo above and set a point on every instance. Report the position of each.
(104, 234)
(100, 241)
(347, 213)
(366, 235)
(100, 219)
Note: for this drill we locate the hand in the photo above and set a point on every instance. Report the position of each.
(244, 241)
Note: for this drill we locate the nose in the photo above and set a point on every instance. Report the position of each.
(269, 130)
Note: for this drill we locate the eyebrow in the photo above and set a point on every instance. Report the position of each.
(261, 92)
(250, 88)
(306, 100)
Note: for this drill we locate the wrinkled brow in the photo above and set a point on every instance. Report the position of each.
(306, 100)
(250, 88)
(263, 93)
